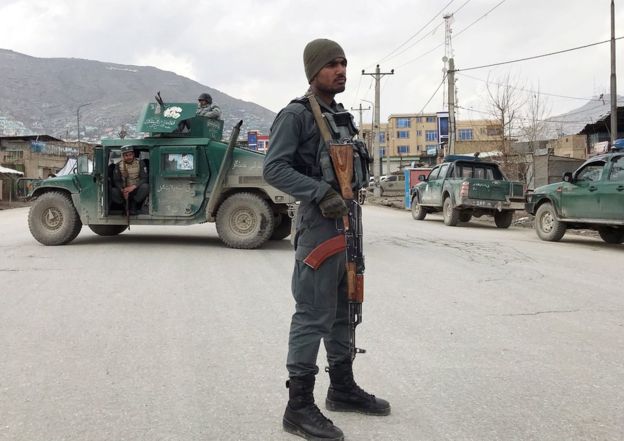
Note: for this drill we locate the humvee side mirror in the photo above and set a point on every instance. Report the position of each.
(83, 165)
(567, 177)
(422, 178)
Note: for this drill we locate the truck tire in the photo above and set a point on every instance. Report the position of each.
(503, 219)
(451, 214)
(53, 219)
(418, 211)
(108, 230)
(547, 226)
(465, 216)
(245, 220)
(611, 235)
(282, 227)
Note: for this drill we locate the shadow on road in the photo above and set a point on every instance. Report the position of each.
(164, 240)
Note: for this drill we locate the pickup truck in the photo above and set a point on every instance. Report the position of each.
(592, 197)
(463, 187)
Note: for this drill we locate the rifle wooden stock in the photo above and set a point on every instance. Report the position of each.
(342, 159)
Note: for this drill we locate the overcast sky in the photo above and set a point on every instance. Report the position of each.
(252, 50)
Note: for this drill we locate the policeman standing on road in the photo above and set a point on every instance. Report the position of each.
(295, 165)
(206, 108)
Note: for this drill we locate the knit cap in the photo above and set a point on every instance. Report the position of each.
(318, 53)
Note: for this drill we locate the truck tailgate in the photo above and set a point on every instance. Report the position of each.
(490, 190)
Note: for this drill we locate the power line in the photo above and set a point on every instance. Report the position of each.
(456, 35)
(536, 56)
(417, 32)
(434, 94)
(529, 90)
(479, 19)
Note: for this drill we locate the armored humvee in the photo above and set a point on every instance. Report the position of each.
(193, 178)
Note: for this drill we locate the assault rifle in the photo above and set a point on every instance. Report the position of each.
(342, 161)
(350, 241)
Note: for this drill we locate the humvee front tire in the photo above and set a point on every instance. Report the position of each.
(53, 219)
(245, 220)
(283, 224)
(108, 230)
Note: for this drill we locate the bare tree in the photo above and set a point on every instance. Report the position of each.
(534, 125)
(505, 101)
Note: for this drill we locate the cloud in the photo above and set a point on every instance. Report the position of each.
(163, 59)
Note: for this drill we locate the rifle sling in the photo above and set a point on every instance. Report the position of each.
(318, 116)
(325, 250)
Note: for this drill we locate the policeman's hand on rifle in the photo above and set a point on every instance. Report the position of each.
(333, 206)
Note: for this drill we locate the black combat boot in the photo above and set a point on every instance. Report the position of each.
(302, 417)
(344, 395)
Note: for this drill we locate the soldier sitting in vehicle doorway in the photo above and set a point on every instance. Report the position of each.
(130, 181)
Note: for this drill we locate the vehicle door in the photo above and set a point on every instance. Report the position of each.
(611, 191)
(580, 199)
(437, 185)
(179, 179)
(425, 196)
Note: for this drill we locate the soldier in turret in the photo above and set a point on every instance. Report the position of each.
(206, 107)
(130, 179)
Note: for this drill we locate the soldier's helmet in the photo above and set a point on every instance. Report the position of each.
(127, 148)
(205, 96)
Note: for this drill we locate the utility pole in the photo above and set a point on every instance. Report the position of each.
(78, 123)
(448, 51)
(360, 110)
(378, 75)
(614, 106)
(451, 106)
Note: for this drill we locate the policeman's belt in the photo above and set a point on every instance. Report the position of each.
(325, 250)
(309, 170)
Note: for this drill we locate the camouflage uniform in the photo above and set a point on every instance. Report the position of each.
(126, 174)
(210, 111)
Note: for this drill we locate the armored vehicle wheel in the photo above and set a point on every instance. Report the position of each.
(546, 224)
(53, 219)
(282, 227)
(611, 235)
(465, 216)
(503, 219)
(245, 220)
(108, 230)
(418, 211)
(451, 214)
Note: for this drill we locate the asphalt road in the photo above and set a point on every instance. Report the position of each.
(162, 333)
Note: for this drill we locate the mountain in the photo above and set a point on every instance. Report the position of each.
(42, 95)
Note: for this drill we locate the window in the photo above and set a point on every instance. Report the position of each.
(402, 149)
(434, 174)
(418, 119)
(382, 137)
(13, 155)
(617, 170)
(382, 152)
(592, 172)
(431, 135)
(443, 169)
(465, 134)
(179, 161)
(403, 123)
(431, 119)
(418, 132)
(402, 134)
